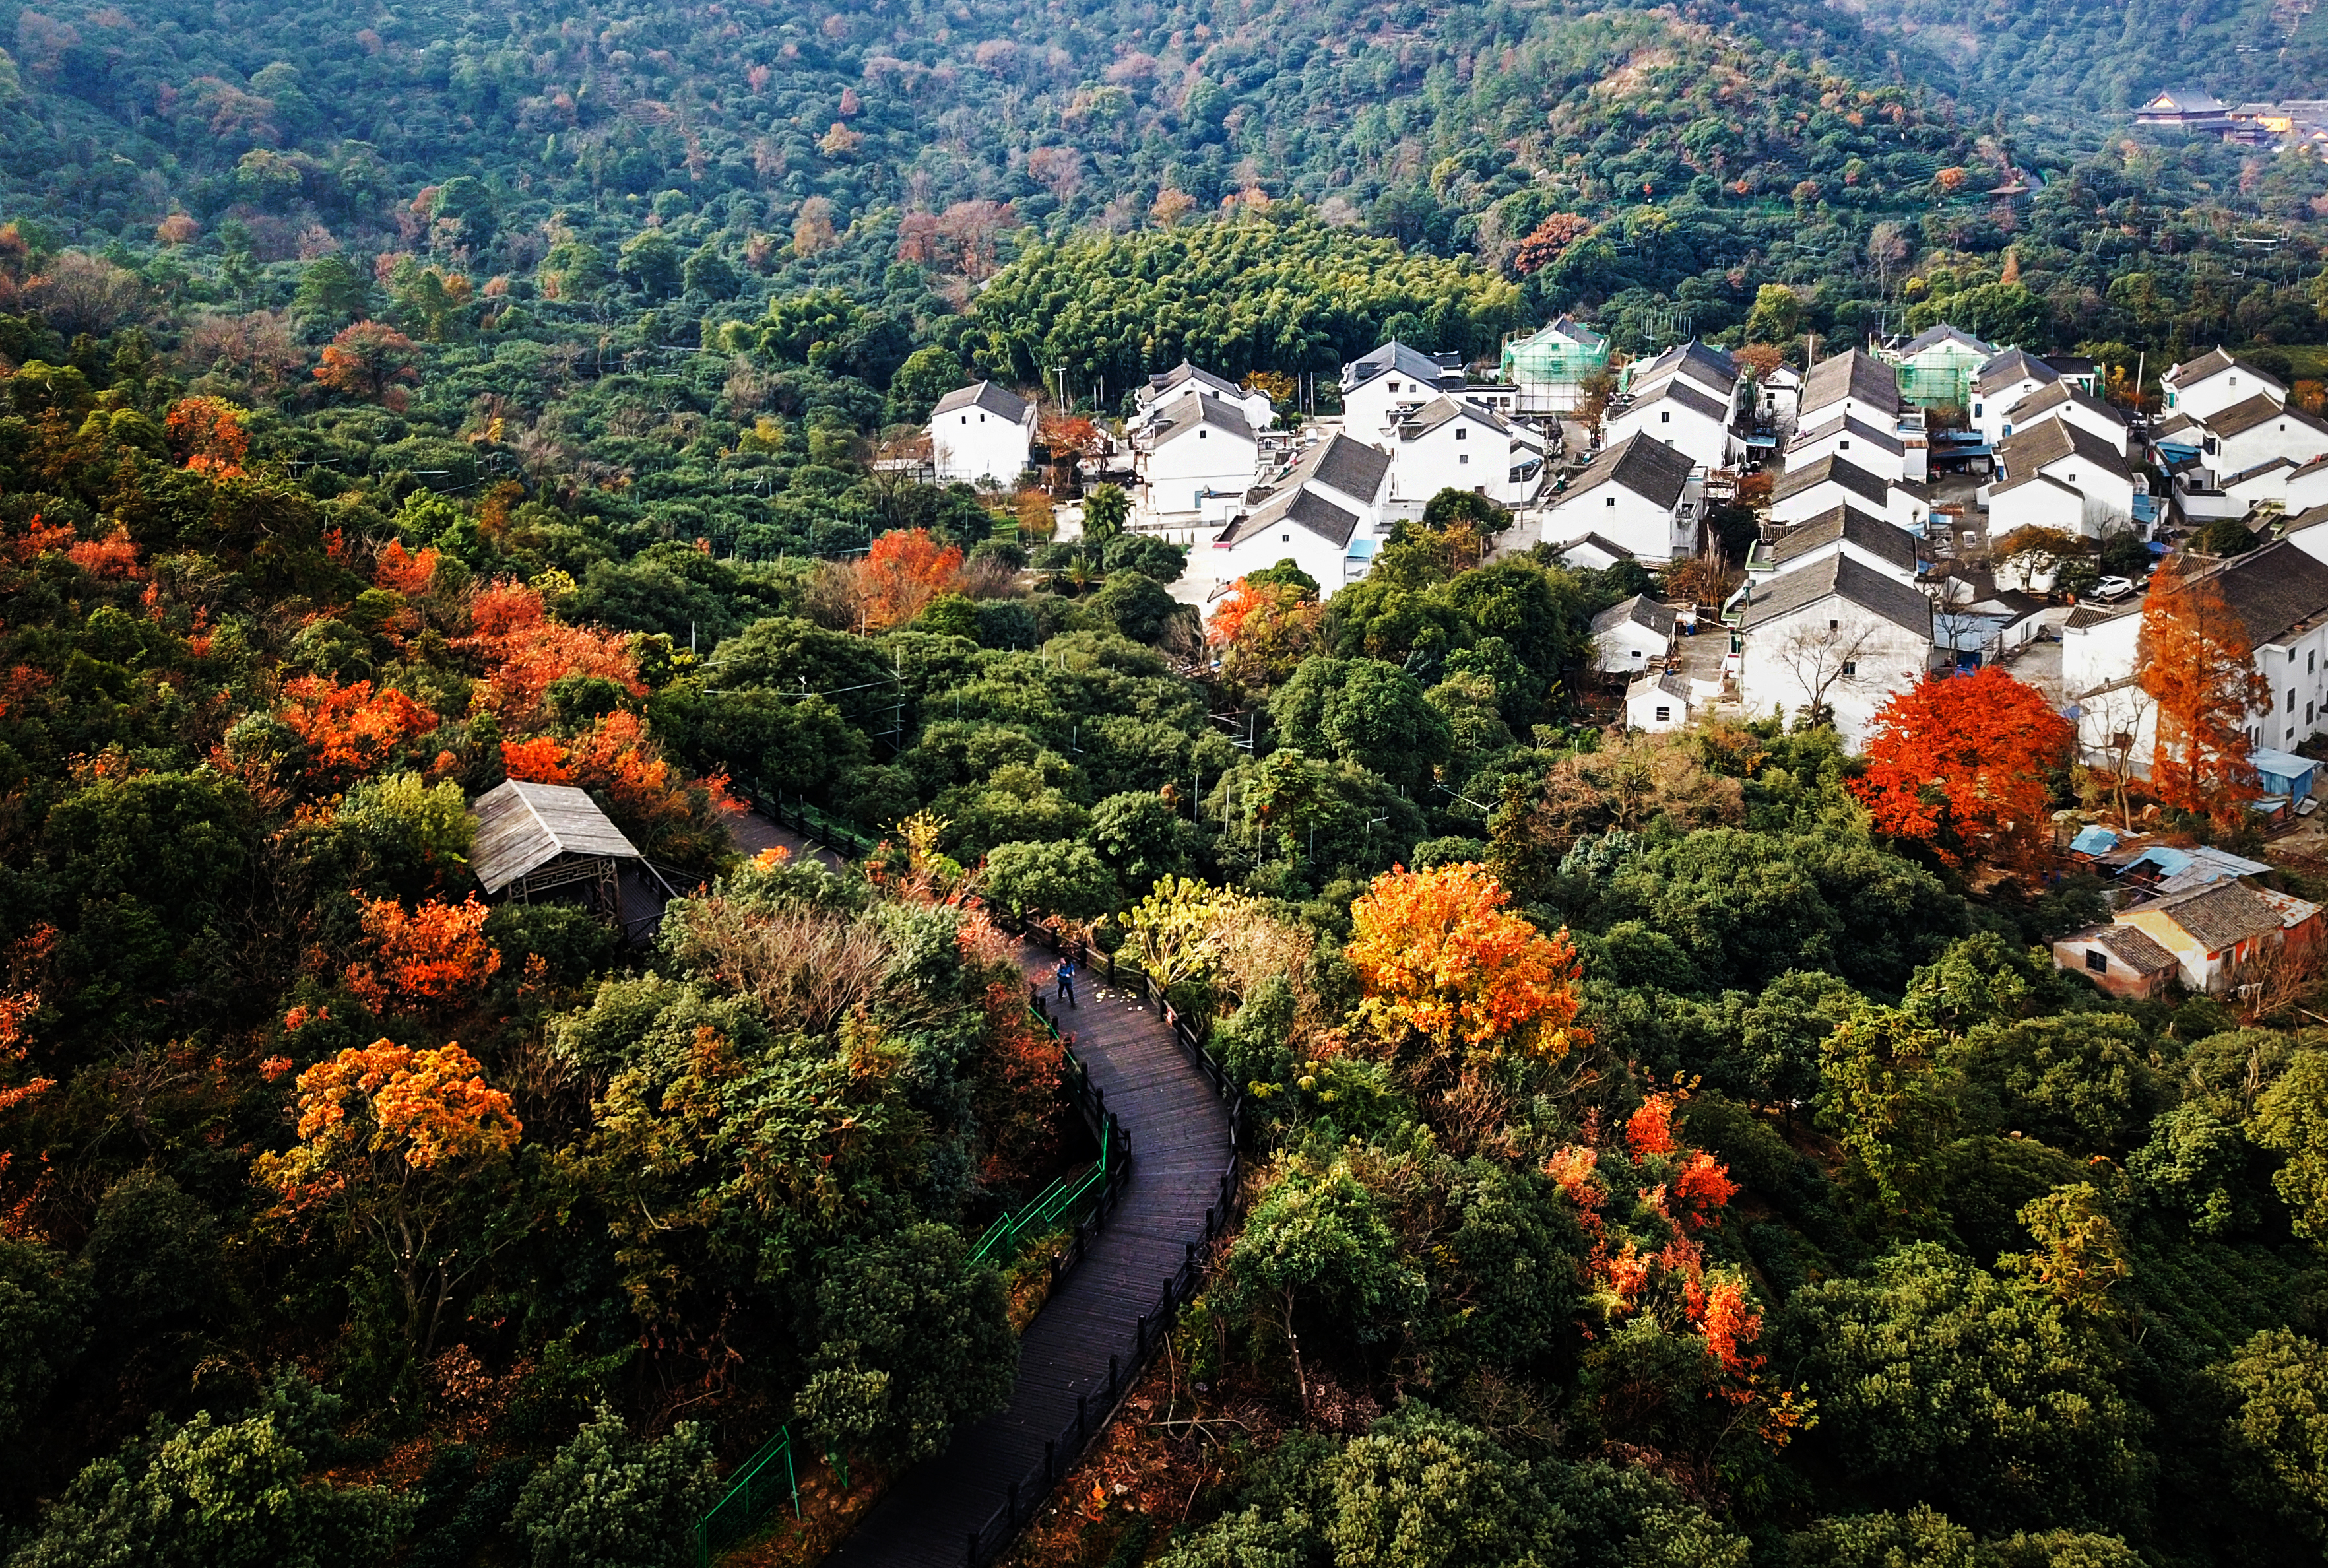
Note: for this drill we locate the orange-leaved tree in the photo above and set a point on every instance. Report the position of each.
(2198, 665)
(1959, 763)
(1443, 957)
(402, 1149)
(665, 811)
(207, 434)
(409, 572)
(906, 569)
(1652, 1296)
(372, 361)
(1262, 628)
(349, 729)
(420, 961)
(524, 650)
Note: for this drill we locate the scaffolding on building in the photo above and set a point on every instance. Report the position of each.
(1548, 368)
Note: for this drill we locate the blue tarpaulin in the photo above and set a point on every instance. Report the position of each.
(2094, 841)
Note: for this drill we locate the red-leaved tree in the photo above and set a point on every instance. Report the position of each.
(2198, 665)
(373, 361)
(906, 569)
(349, 729)
(1960, 763)
(422, 961)
(524, 650)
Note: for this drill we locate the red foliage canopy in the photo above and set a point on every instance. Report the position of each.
(1959, 763)
(2198, 665)
(351, 729)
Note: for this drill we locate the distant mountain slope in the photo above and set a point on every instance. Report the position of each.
(2111, 54)
(789, 119)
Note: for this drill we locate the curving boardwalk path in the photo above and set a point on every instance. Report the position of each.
(1180, 1144)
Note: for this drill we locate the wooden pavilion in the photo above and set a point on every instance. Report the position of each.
(536, 839)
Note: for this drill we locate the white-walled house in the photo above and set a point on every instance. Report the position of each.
(2037, 465)
(1779, 399)
(1710, 370)
(1844, 530)
(2001, 384)
(1856, 442)
(1680, 414)
(1378, 385)
(1827, 483)
(1326, 513)
(1591, 552)
(1187, 380)
(981, 432)
(1655, 703)
(2064, 402)
(1200, 450)
(2212, 383)
(1634, 493)
(1451, 444)
(2253, 431)
(1627, 636)
(2279, 594)
(1836, 632)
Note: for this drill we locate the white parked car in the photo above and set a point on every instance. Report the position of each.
(2112, 588)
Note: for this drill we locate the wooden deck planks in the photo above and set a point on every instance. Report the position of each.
(1180, 1146)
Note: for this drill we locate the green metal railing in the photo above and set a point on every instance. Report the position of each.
(749, 1498)
(1051, 1210)
(1071, 1201)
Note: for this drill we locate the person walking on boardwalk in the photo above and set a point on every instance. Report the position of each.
(1067, 981)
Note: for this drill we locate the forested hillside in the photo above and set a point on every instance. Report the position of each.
(2089, 59)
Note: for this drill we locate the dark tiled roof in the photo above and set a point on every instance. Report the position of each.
(1672, 682)
(2250, 413)
(1350, 466)
(1839, 574)
(2059, 393)
(1859, 429)
(1185, 372)
(1202, 409)
(2207, 364)
(2214, 362)
(2220, 915)
(1673, 390)
(1305, 508)
(2052, 441)
(1709, 364)
(1852, 526)
(2072, 364)
(1842, 471)
(2086, 615)
(986, 396)
(2314, 518)
(2140, 954)
(1853, 373)
(1440, 409)
(1648, 468)
(1396, 355)
(1641, 610)
(2272, 590)
(2012, 366)
(1608, 546)
(2258, 471)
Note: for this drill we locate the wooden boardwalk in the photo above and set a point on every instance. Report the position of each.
(1180, 1148)
(1179, 1134)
